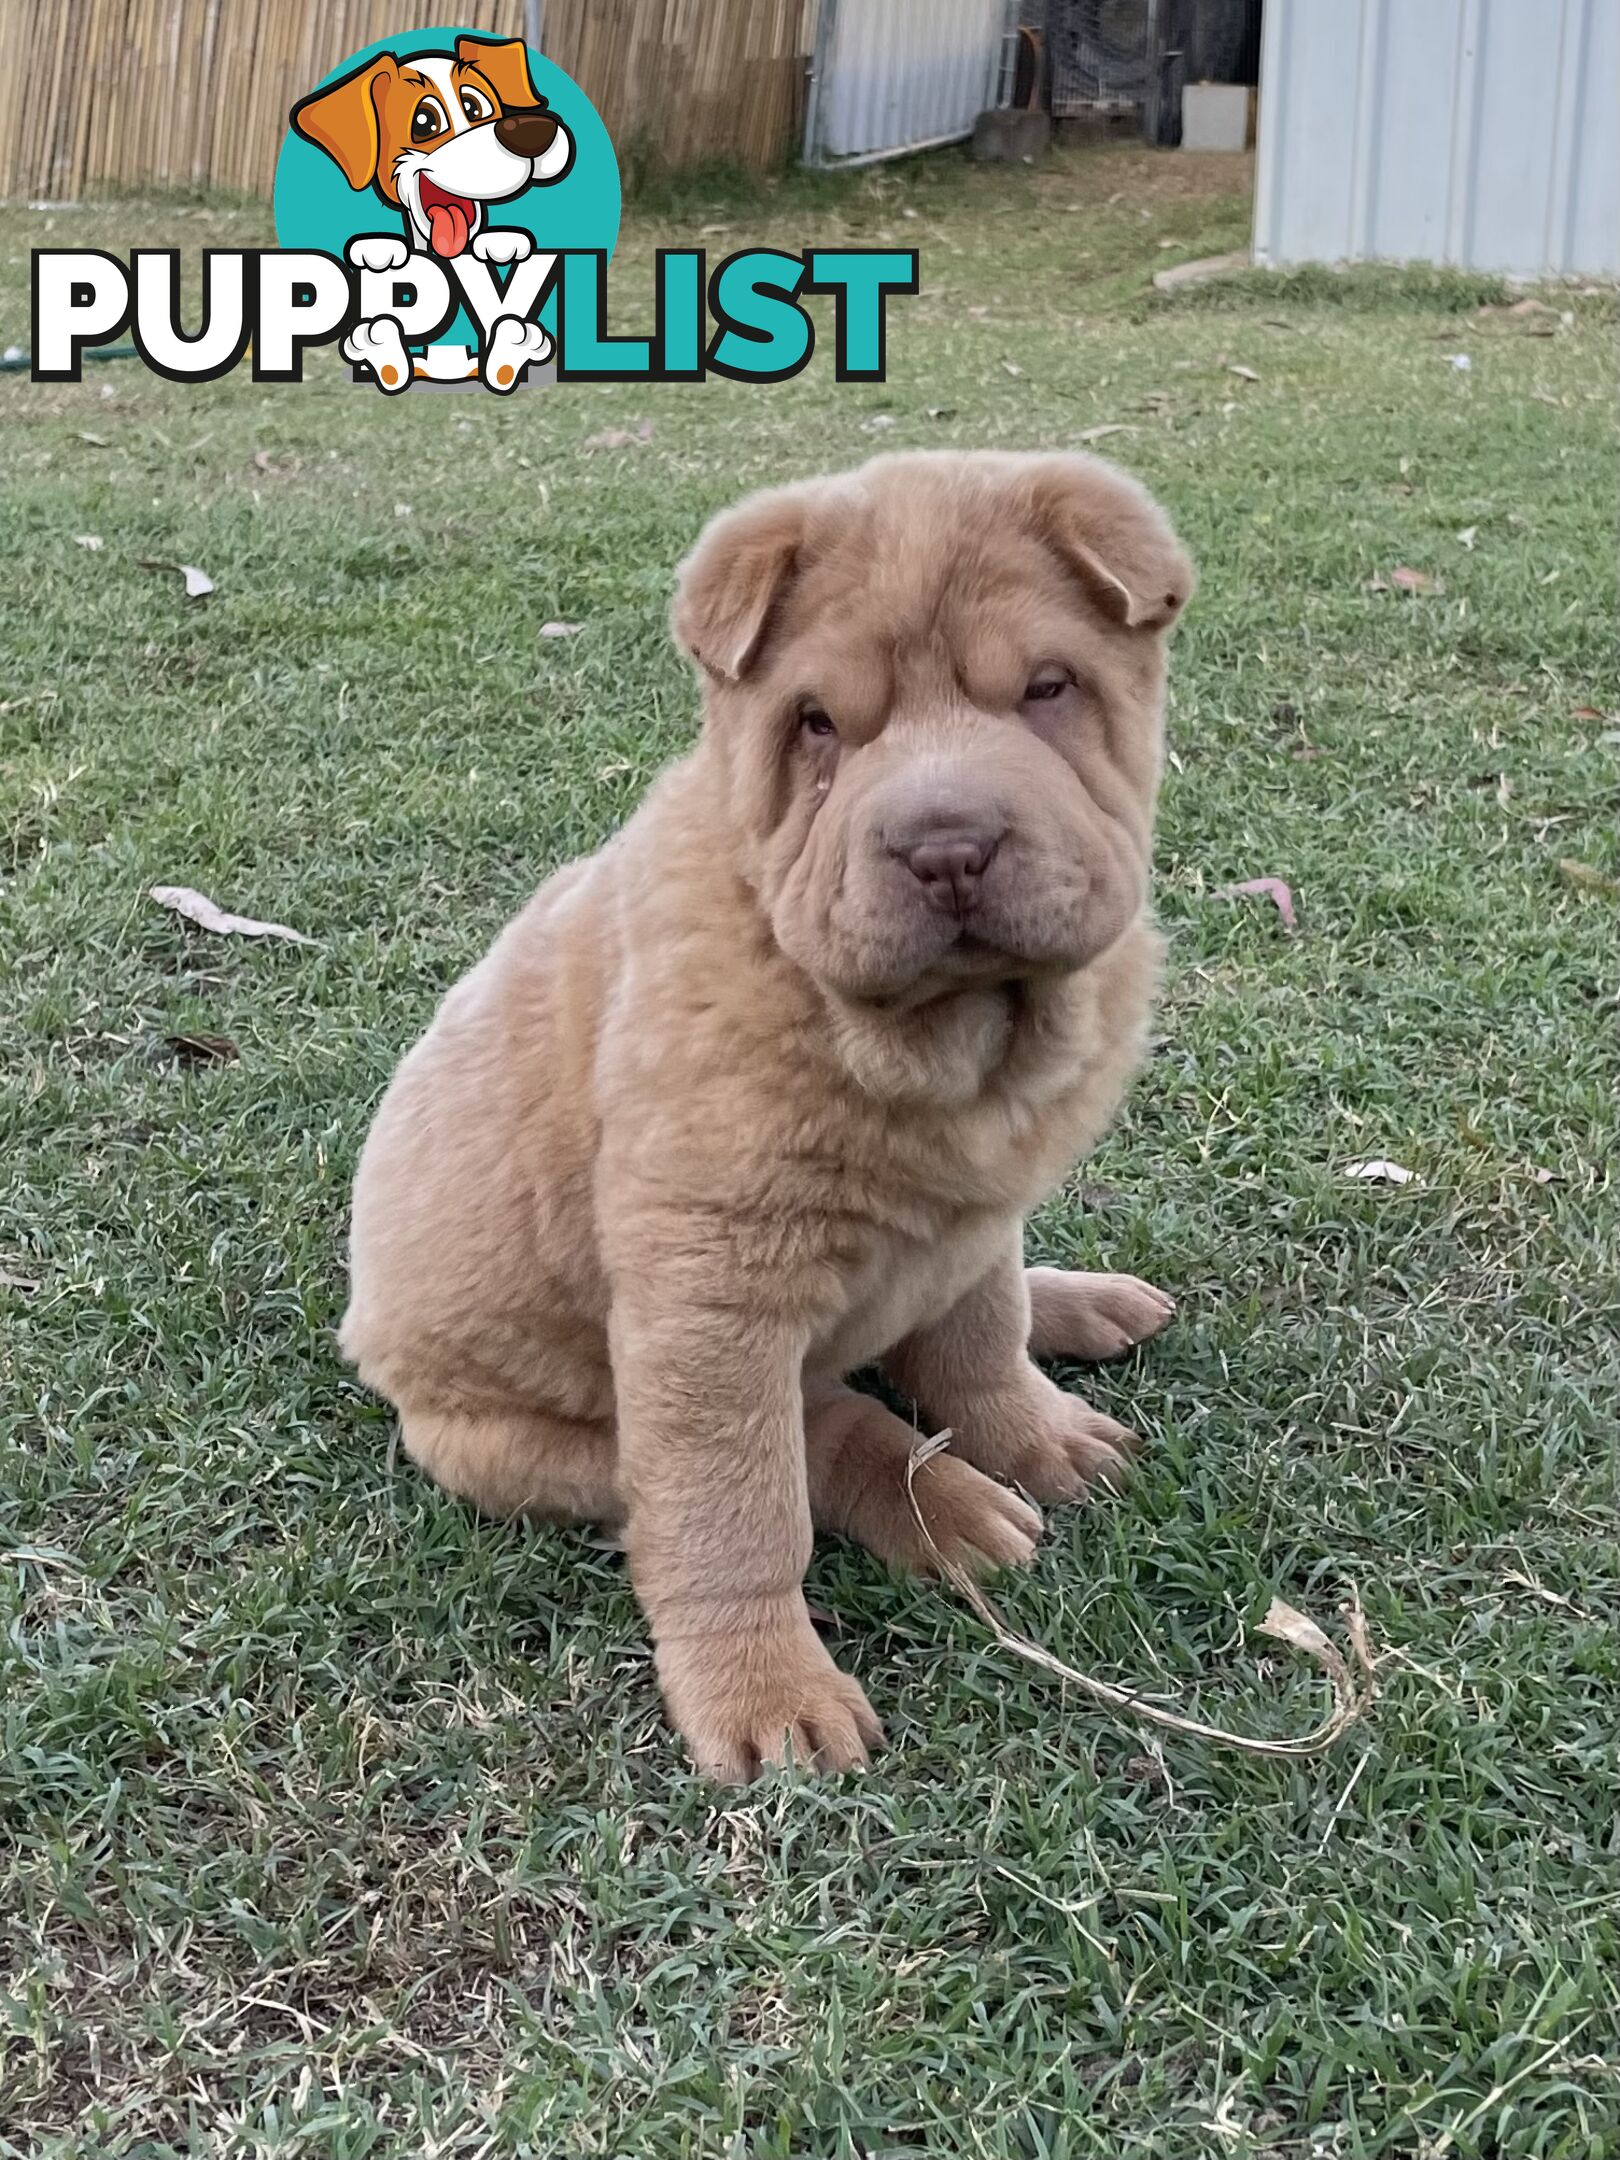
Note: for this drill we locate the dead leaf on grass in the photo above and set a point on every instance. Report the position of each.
(203, 1049)
(1402, 579)
(1271, 888)
(196, 907)
(1585, 877)
(1244, 374)
(96, 442)
(618, 438)
(1108, 427)
(1147, 1770)
(198, 583)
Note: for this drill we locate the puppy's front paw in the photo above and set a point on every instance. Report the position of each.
(744, 1701)
(1079, 1451)
(503, 244)
(1092, 1316)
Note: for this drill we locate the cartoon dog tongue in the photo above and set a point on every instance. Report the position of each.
(448, 227)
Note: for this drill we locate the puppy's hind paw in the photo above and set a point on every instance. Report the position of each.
(974, 1523)
(1093, 1317)
(1080, 1452)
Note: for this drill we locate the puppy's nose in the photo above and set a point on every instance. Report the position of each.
(950, 867)
(528, 132)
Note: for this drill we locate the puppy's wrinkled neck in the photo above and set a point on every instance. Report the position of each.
(943, 1052)
(1020, 1042)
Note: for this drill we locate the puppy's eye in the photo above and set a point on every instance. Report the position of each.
(428, 119)
(1048, 684)
(475, 105)
(815, 720)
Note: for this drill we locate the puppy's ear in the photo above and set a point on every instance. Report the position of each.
(504, 64)
(729, 584)
(1116, 539)
(342, 119)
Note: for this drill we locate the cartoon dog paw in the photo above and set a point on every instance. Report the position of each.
(503, 244)
(378, 251)
(513, 346)
(379, 346)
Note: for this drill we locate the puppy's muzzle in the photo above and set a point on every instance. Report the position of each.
(528, 132)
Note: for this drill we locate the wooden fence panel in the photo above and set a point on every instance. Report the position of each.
(100, 94)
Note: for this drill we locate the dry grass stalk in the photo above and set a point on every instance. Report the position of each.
(1353, 1680)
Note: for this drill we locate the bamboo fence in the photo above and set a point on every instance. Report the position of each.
(108, 94)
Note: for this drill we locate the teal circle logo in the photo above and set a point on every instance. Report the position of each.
(439, 161)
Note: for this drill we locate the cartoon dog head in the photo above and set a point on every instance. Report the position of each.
(439, 135)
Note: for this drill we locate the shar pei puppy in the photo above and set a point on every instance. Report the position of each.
(760, 1093)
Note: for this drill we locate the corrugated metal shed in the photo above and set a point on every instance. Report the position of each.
(1476, 132)
(896, 75)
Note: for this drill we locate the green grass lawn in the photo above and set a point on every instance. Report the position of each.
(335, 1822)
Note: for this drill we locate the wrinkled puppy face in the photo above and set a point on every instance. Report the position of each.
(935, 689)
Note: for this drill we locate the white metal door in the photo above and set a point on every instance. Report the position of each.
(896, 75)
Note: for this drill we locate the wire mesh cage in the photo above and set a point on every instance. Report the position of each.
(1113, 59)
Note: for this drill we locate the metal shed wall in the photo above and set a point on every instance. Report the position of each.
(896, 75)
(1475, 132)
